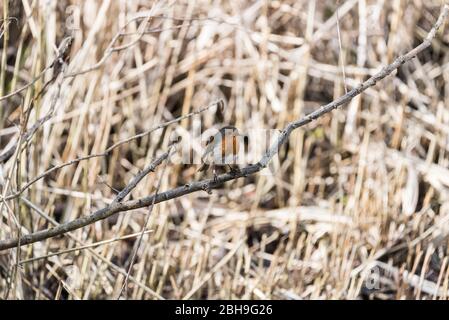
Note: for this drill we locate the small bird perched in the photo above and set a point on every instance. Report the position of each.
(222, 150)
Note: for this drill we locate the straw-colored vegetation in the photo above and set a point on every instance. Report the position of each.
(356, 204)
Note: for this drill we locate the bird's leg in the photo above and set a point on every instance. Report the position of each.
(215, 174)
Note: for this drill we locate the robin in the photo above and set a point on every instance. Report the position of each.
(222, 150)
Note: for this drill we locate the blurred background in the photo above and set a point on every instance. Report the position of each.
(356, 207)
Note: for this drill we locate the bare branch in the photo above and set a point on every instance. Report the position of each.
(219, 103)
(208, 184)
(83, 247)
(90, 250)
(33, 129)
(147, 218)
(150, 168)
(124, 192)
(111, 49)
(24, 138)
(56, 64)
(342, 57)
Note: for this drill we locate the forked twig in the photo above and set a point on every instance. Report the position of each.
(219, 103)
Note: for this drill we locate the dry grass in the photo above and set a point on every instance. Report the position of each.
(358, 206)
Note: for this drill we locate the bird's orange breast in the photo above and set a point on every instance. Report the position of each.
(229, 146)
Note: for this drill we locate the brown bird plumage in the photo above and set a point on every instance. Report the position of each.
(221, 149)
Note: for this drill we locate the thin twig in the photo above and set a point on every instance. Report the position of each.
(111, 49)
(137, 178)
(342, 58)
(83, 247)
(60, 64)
(147, 218)
(219, 103)
(25, 137)
(33, 129)
(208, 184)
(57, 61)
(90, 250)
